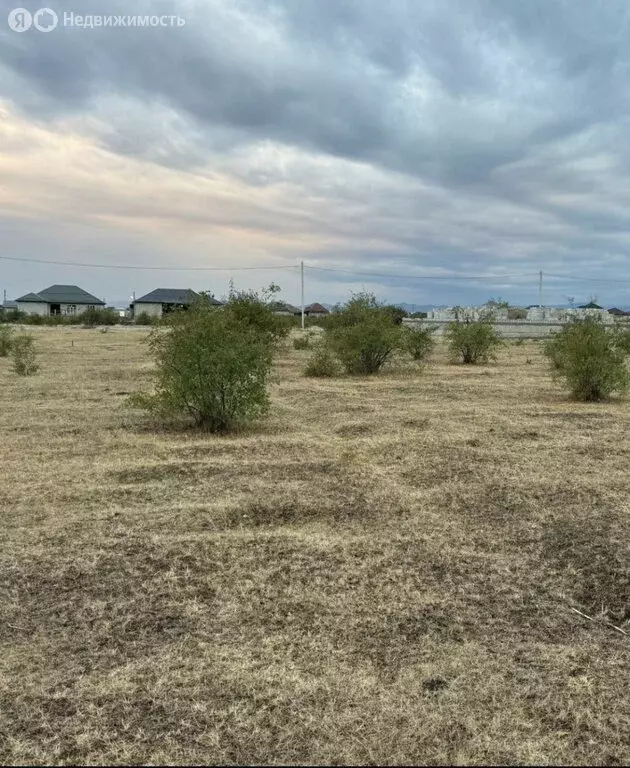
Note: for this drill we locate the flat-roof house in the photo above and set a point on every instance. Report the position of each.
(316, 310)
(161, 301)
(58, 300)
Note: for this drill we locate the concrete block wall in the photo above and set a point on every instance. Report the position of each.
(508, 329)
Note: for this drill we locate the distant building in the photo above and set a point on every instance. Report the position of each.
(161, 301)
(590, 305)
(9, 306)
(618, 312)
(58, 300)
(316, 310)
(282, 308)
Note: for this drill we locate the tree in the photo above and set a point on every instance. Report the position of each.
(473, 341)
(497, 303)
(589, 360)
(397, 313)
(212, 365)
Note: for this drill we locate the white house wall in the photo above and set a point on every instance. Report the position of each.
(153, 310)
(33, 308)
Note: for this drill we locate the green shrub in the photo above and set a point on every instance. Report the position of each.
(420, 342)
(322, 363)
(364, 349)
(473, 341)
(11, 316)
(93, 316)
(302, 342)
(589, 360)
(211, 367)
(24, 355)
(143, 318)
(6, 340)
(622, 339)
(364, 335)
(254, 310)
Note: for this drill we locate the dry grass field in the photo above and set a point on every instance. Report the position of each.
(382, 572)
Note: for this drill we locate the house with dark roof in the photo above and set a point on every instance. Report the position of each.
(58, 300)
(161, 301)
(282, 308)
(316, 310)
(618, 312)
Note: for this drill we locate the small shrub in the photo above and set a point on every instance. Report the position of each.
(6, 340)
(92, 317)
(24, 356)
(302, 342)
(622, 339)
(322, 363)
(420, 342)
(211, 367)
(143, 318)
(589, 360)
(473, 341)
(12, 316)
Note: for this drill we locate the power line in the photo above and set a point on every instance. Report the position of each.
(588, 279)
(132, 266)
(492, 278)
(422, 277)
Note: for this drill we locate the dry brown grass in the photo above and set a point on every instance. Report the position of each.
(383, 572)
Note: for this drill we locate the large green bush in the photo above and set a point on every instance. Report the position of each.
(24, 355)
(252, 309)
(211, 366)
(589, 360)
(364, 335)
(473, 341)
(7, 335)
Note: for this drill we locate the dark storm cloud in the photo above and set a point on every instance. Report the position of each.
(333, 76)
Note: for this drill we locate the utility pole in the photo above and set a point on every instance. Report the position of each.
(540, 289)
(4, 301)
(302, 282)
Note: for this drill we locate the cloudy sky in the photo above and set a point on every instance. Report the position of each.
(482, 139)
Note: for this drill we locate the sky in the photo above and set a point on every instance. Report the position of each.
(384, 144)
